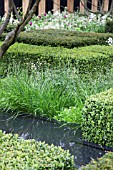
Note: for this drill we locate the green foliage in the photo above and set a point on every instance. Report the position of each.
(20, 154)
(40, 93)
(68, 39)
(85, 59)
(103, 163)
(58, 94)
(97, 124)
(109, 26)
(9, 28)
(71, 114)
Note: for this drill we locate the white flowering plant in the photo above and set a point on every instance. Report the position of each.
(66, 21)
(110, 41)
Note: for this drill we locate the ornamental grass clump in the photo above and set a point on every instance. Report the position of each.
(55, 93)
(41, 93)
(20, 154)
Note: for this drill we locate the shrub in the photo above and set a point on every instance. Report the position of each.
(23, 154)
(109, 26)
(97, 124)
(68, 39)
(105, 162)
(85, 59)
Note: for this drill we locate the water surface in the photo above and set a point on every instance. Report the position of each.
(51, 132)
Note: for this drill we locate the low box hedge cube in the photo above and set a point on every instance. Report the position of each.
(97, 125)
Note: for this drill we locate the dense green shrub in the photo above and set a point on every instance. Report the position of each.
(97, 125)
(85, 59)
(103, 163)
(109, 26)
(68, 39)
(20, 154)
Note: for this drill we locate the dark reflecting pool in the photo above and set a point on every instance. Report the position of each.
(51, 132)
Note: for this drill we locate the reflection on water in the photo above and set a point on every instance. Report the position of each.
(51, 132)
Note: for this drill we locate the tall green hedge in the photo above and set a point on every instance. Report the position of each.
(97, 125)
(85, 59)
(20, 154)
(68, 39)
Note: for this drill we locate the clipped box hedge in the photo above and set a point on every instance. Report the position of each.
(68, 39)
(103, 163)
(20, 154)
(97, 125)
(54, 38)
(85, 59)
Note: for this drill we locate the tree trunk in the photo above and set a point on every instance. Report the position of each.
(12, 36)
(4, 25)
(9, 40)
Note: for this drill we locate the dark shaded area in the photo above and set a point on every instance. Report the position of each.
(109, 4)
(33, 1)
(18, 6)
(89, 4)
(68, 137)
(99, 4)
(1, 8)
(18, 3)
(63, 4)
(76, 5)
(49, 5)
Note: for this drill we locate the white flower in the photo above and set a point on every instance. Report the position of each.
(56, 13)
(92, 16)
(11, 19)
(110, 41)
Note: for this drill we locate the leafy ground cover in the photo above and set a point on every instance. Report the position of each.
(20, 154)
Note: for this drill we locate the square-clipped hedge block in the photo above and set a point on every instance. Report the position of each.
(97, 125)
